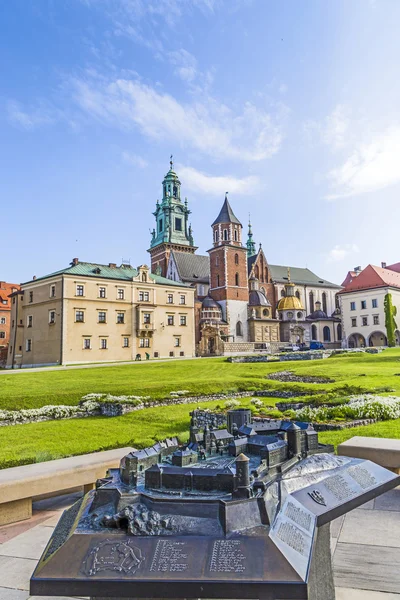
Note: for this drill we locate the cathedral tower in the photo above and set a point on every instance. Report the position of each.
(172, 231)
(228, 272)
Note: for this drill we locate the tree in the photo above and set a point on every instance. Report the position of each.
(390, 323)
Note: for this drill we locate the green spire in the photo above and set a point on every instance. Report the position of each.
(251, 246)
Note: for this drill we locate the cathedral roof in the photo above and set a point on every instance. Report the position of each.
(317, 314)
(299, 276)
(257, 298)
(209, 302)
(226, 214)
(192, 267)
(290, 303)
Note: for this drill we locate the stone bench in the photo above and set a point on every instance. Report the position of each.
(19, 485)
(382, 451)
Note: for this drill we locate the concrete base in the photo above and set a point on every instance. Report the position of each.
(17, 510)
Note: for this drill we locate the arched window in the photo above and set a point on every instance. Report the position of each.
(327, 334)
(283, 293)
(339, 332)
(239, 328)
(313, 332)
(298, 294)
(236, 259)
(225, 235)
(311, 299)
(236, 278)
(235, 235)
(324, 308)
(216, 235)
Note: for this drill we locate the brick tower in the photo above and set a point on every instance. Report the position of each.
(172, 231)
(228, 272)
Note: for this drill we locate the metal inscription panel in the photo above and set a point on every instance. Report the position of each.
(349, 487)
(293, 533)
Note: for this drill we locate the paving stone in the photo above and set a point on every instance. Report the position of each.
(389, 501)
(7, 594)
(336, 526)
(373, 527)
(15, 573)
(351, 594)
(29, 544)
(367, 567)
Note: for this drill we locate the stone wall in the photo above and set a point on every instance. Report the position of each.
(312, 355)
(238, 347)
(204, 417)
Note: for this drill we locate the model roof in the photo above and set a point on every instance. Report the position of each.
(192, 267)
(96, 270)
(373, 277)
(226, 214)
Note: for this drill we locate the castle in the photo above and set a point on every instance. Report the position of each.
(241, 301)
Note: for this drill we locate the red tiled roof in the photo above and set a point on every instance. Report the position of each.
(395, 267)
(350, 275)
(373, 277)
(5, 290)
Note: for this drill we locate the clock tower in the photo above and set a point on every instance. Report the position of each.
(172, 230)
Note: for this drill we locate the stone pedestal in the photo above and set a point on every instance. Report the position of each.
(17, 510)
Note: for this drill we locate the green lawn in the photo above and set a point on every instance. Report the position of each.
(42, 441)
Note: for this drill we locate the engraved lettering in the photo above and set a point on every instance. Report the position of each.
(362, 476)
(299, 516)
(293, 537)
(227, 557)
(169, 557)
(339, 487)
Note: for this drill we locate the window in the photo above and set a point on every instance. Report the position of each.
(6, 302)
(146, 318)
(299, 315)
(374, 303)
(79, 316)
(365, 321)
(239, 328)
(217, 280)
(144, 277)
(102, 292)
(177, 342)
(182, 299)
(80, 290)
(298, 294)
(235, 235)
(283, 293)
(172, 353)
(178, 224)
(313, 332)
(155, 354)
(30, 321)
(327, 334)
(52, 317)
(236, 278)
(352, 306)
(120, 293)
(30, 297)
(101, 316)
(170, 299)
(120, 317)
(339, 332)
(28, 346)
(181, 353)
(144, 296)
(376, 319)
(103, 343)
(324, 305)
(125, 342)
(363, 304)
(3, 321)
(183, 320)
(225, 234)
(52, 291)
(160, 225)
(170, 320)
(144, 342)
(216, 236)
(2, 334)
(86, 344)
(311, 299)
(354, 322)
(236, 259)
(13, 323)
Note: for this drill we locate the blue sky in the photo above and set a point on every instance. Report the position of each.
(292, 107)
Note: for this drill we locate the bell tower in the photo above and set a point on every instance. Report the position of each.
(228, 271)
(172, 230)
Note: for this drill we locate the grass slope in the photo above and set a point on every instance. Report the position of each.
(24, 444)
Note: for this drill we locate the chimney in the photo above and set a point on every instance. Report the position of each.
(112, 265)
(75, 261)
(357, 270)
(383, 265)
(34, 277)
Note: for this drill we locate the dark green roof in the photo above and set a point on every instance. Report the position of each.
(298, 275)
(122, 273)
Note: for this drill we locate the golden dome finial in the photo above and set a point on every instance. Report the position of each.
(288, 274)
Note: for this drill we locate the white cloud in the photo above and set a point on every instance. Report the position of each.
(217, 186)
(29, 119)
(185, 64)
(332, 131)
(210, 127)
(135, 160)
(339, 253)
(370, 167)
